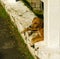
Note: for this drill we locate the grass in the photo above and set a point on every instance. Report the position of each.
(9, 32)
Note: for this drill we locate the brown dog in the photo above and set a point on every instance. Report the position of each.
(37, 26)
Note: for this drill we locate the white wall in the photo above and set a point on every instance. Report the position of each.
(53, 23)
(45, 20)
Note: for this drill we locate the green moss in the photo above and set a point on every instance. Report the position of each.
(3, 13)
(14, 35)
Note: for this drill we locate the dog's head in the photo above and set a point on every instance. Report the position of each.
(37, 23)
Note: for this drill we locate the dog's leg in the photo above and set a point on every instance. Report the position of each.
(37, 39)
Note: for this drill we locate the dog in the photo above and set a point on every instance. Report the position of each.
(38, 27)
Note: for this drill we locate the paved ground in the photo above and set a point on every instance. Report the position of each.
(11, 44)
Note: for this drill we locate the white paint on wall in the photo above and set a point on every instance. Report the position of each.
(53, 18)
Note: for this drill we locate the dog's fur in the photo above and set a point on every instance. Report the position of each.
(38, 37)
(37, 26)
